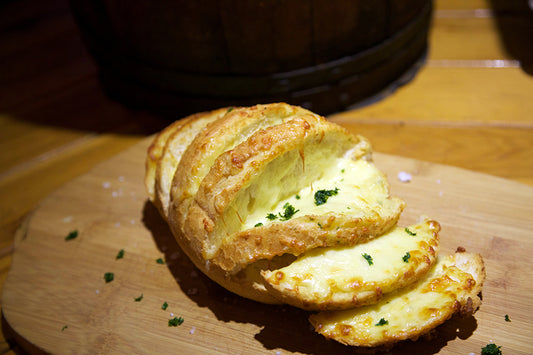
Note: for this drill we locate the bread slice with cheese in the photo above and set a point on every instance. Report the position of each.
(451, 287)
(299, 184)
(233, 128)
(353, 276)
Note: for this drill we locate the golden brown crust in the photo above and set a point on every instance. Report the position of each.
(176, 143)
(155, 150)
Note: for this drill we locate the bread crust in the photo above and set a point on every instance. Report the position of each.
(155, 150)
(176, 143)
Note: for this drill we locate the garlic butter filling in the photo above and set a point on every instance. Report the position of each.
(350, 187)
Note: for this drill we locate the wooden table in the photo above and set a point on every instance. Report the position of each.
(469, 106)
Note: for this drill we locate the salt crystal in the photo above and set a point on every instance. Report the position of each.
(114, 194)
(438, 181)
(67, 219)
(132, 221)
(192, 330)
(106, 184)
(404, 177)
(97, 291)
(117, 224)
(121, 178)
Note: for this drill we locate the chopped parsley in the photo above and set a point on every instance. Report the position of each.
(164, 306)
(258, 224)
(406, 257)
(138, 299)
(491, 349)
(229, 110)
(271, 216)
(320, 226)
(342, 170)
(72, 235)
(368, 258)
(174, 322)
(321, 196)
(288, 212)
(120, 254)
(409, 232)
(382, 322)
(160, 261)
(64, 327)
(507, 319)
(297, 197)
(109, 276)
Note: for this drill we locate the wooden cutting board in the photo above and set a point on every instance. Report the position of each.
(55, 297)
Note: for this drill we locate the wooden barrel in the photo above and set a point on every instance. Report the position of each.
(183, 56)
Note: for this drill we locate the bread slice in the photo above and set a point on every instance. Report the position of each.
(451, 287)
(155, 150)
(353, 276)
(237, 125)
(281, 166)
(176, 143)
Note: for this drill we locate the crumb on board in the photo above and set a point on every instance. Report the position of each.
(404, 176)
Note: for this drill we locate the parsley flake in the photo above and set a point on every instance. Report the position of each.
(297, 197)
(109, 276)
(72, 235)
(174, 322)
(507, 319)
(409, 232)
(229, 110)
(406, 257)
(271, 216)
(258, 224)
(288, 212)
(160, 261)
(120, 254)
(138, 299)
(64, 327)
(491, 349)
(382, 322)
(321, 196)
(164, 306)
(368, 259)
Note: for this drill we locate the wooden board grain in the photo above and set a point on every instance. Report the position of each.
(56, 299)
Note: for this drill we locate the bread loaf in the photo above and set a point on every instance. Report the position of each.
(279, 205)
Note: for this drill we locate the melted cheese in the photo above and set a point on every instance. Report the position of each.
(361, 189)
(409, 312)
(342, 277)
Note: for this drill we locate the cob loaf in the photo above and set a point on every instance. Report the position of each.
(279, 205)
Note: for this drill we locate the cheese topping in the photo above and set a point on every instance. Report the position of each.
(409, 312)
(352, 276)
(360, 188)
